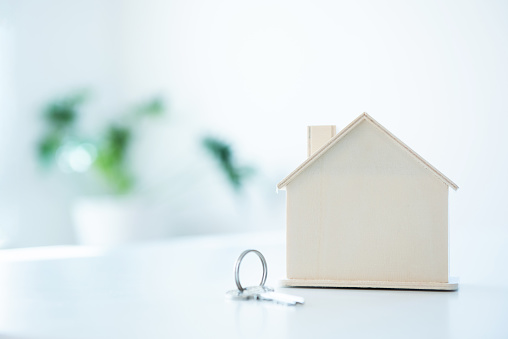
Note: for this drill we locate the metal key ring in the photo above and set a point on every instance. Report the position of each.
(237, 268)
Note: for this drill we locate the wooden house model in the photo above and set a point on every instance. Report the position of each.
(364, 210)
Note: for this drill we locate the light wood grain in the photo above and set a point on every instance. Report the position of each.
(317, 136)
(367, 210)
(344, 132)
(452, 285)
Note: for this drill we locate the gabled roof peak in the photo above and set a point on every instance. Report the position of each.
(362, 117)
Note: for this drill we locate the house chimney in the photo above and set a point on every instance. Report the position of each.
(317, 136)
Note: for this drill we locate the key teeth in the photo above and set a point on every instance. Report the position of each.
(281, 298)
(264, 293)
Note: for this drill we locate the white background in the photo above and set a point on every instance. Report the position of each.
(257, 73)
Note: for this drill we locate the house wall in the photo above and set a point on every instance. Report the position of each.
(367, 210)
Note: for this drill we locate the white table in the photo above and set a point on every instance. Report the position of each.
(175, 289)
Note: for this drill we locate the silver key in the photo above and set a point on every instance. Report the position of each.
(281, 298)
(264, 293)
(260, 292)
(251, 292)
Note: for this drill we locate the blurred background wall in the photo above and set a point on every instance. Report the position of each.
(254, 73)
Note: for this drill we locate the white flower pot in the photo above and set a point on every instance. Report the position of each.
(112, 221)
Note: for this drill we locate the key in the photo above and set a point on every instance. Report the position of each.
(280, 298)
(248, 293)
(261, 292)
(264, 293)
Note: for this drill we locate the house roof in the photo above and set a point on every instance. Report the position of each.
(335, 139)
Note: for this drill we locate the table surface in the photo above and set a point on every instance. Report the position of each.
(176, 289)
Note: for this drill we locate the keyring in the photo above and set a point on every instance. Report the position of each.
(237, 268)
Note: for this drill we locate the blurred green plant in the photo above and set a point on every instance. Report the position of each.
(111, 155)
(223, 154)
(60, 117)
(107, 154)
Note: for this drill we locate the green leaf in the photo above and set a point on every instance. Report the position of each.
(223, 153)
(62, 114)
(111, 156)
(48, 146)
